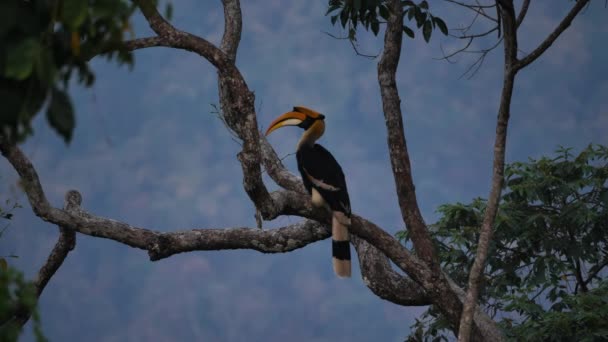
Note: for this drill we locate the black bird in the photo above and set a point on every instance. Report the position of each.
(323, 178)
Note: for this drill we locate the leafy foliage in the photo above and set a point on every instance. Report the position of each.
(17, 294)
(43, 43)
(584, 318)
(545, 276)
(372, 13)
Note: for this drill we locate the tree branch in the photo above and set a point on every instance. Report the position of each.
(161, 245)
(400, 159)
(507, 13)
(380, 277)
(563, 25)
(277, 171)
(522, 12)
(236, 99)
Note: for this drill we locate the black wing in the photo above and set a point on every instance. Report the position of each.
(320, 170)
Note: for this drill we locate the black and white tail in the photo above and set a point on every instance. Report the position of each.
(340, 244)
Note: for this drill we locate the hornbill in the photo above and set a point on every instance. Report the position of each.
(323, 178)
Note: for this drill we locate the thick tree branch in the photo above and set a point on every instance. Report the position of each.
(380, 277)
(171, 37)
(561, 27)
(277, 171)
(143, 43)
(236, 99)
(507, 13)
(279, 240)
(161, 245)
(400, 159)
(233, 25)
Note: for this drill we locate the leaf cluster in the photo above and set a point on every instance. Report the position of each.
(43, 45)
(549, 253)
(370, 14)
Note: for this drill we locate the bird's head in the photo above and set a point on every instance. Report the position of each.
(311, 121)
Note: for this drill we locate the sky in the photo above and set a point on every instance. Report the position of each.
(149, 150)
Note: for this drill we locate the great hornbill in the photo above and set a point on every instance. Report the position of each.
(323, 178)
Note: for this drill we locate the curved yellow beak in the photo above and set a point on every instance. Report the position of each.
(287, 119)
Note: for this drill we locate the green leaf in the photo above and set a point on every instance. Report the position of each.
(3, 264)
(420, 17)
(442, 26)
(411, 13)
(357, 5)
(408, 31)
(352, 34)
(20, 59)
(424, 5)
(375, 27)
(427, 30)
(344, 18)
(334, 18)
(73, 13)
(383, 12)
(604, 198)
(60, 114)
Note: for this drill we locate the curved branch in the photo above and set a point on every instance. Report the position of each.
(376, 270)
(236, 99)
(400, 159)
(233, 25)
(277, 171)
(440, 290)
(522, 12)
(380, 277)
(563, 25)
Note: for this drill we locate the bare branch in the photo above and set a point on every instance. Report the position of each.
(376, 269)
(522, 13)
(143, 43)
(236, 99)
(233, 25)
(440, 290)
(277, 171)
(279, 240)
(478, 9)
(400, 160)
(563, 25)
(508, 20)
(353, 45)
(387, 284)
(169, 36)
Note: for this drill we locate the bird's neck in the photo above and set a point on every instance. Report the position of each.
(312, 134)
